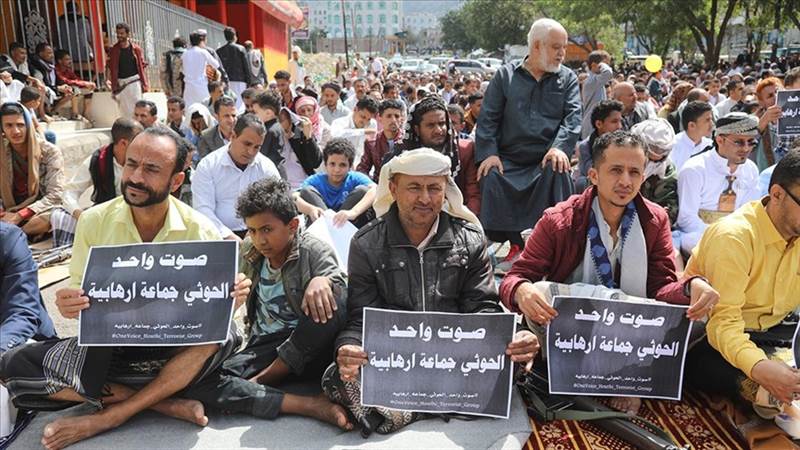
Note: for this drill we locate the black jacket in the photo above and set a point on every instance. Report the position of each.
(308, 153)
(101, 168)
(209, 141)
(386, 271)
(272, 147)
(39, 69)
(234, 59)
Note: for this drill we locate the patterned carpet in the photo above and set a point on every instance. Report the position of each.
(690, 422)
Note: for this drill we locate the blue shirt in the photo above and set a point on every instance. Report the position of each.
(764, 178)
(335, 196)
(274, 314)
(22, 312)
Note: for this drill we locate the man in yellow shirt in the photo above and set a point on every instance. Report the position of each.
(121, 381)
(753, 258)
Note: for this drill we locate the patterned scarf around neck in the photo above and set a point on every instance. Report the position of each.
(602, 263)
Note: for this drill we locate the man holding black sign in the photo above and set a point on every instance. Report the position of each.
(424, 252)
(754, 257)
(619, 226)
(58, 374)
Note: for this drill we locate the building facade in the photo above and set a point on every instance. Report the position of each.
(364, 18)
(424, 28)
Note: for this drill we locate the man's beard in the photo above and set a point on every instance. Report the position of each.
(546, 66)
(438, 147)
(153, 197)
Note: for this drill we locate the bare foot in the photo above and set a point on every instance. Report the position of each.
(69, 430)
(191, 411)
(628, 405)
(323, 409)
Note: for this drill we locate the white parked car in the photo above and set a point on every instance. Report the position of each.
(410, 65)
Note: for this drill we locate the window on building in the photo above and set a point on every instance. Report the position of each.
(394, 19)
(358, 18)
(336, 20)
(382, 18)
(382, 5)
(369, 18)
(369, 5)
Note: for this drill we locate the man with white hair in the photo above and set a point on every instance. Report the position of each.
(421, 222)
(529, 124)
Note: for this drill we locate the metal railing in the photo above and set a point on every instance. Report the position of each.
(154, 23)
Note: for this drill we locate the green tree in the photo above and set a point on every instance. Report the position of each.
(588, 22)
(454, 31)
(495, 23)
(654, 26)
(793, 13)
(708, 21)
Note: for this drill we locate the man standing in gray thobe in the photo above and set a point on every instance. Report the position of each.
(528, 127)
(594, 87)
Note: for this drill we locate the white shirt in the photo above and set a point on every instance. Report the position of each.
(724, 107)
(351, 102)
(715, 99)
(297, 72)
(377, 66)
(700, 183)
(10, 92)
(217, 183)
(295, 174)
(81, 181)
(194, 65)
(684, 148)
(331, 115)
(447, 95)
(430, 236)
(22, 68)
(344, 127)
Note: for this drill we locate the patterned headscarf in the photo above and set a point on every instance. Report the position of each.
(422, 162)
(315, 116)
(737, 123)
(34, 155)
(412, 140)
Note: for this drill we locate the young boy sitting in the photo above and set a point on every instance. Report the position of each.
(31, 99)
(294, 312)
(340, 188)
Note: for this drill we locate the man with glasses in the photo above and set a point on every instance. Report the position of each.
(752, 257)
(716, 182)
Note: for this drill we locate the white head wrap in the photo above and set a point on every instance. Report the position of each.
(422, 162)
(201, 108)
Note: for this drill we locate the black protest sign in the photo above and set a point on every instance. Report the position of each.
(438, 362)
(617, 348)
(789, 122)
(176, 293)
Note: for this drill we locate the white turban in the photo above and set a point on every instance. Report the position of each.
(422, 162)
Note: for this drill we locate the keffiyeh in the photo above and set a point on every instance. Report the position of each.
(422, 162)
